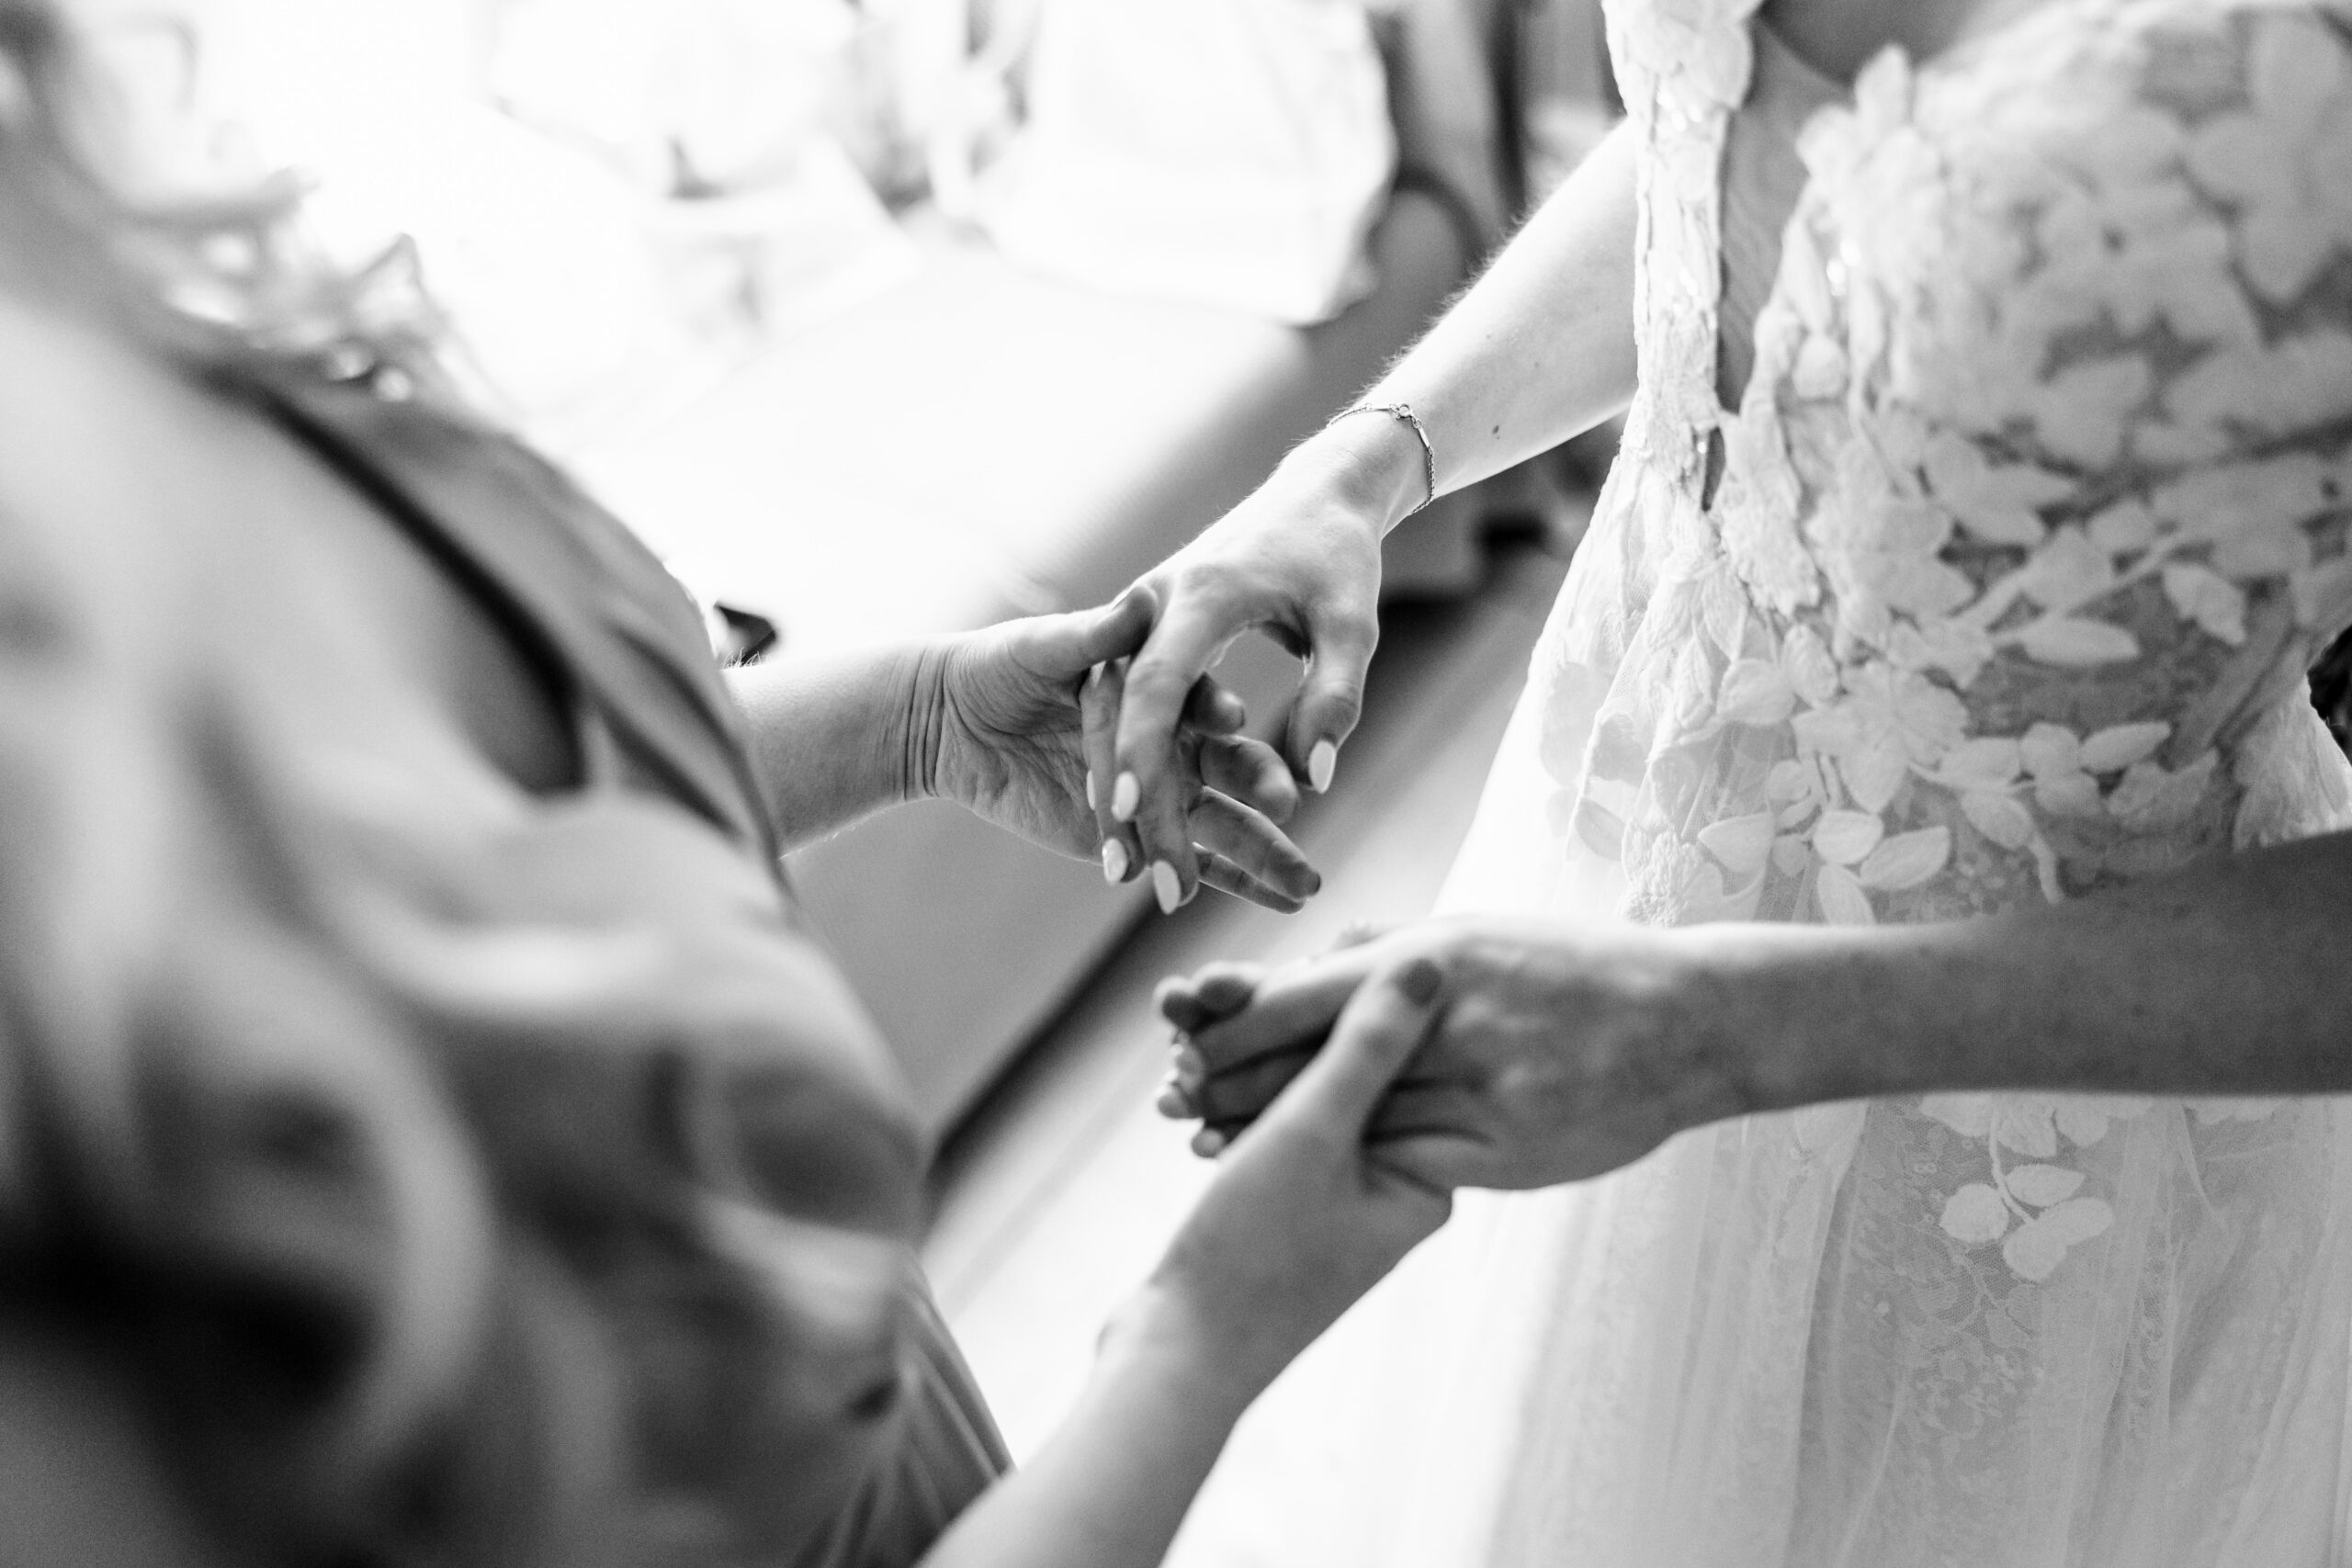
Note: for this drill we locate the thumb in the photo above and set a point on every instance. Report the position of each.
(1376, 1033)
(1332, 697)
(1067, 646)
(1117, 630)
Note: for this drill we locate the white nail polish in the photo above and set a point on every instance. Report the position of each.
(1321, 762)
(1089, 789)
(1164, 884)
(1114, 862)
(1125, 796)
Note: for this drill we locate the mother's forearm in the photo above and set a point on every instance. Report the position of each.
(837, 736)
(2233, 976)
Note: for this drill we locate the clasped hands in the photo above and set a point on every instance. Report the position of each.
(1557, 1053)
(1017, 722)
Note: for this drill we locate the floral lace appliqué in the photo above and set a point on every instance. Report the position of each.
(2034, 508)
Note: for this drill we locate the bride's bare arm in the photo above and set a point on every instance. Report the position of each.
(1540, 348)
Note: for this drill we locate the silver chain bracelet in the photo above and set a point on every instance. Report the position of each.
(1421, 433)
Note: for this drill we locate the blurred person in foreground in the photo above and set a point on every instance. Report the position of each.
(427, 1133)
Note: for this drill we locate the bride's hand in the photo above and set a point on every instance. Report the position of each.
(1300, 560)
(1008, 711)
(1560, 1055)
(1306, 1215)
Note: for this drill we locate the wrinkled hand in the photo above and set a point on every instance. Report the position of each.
(1306, 1215)
(1560, 1054)
(1297, 560)
(1017, 713)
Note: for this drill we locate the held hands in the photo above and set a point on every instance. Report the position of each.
(1559, 1055)
(1015, 721)
(1306, 1216)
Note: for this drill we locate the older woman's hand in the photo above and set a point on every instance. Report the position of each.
(1017, 719)
(1560, 1055)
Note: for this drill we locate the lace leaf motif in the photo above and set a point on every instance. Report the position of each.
(1967, 444)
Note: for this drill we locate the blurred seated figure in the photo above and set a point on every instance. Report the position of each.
(427, 1132)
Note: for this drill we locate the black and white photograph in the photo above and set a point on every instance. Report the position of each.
(1175, 783)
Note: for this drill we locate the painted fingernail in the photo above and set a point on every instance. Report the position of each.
(1125, 796)
(1114, 862)
(1191, 1071)
(1165, 887)
(1089, 789)
(1208, 1143)
(1173, 1102)
(1321, 762)
(1420, 981)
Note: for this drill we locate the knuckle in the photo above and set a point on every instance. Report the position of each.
(1339, 689)
(1349, 626)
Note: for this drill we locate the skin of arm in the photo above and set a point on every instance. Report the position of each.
(1538, 350)
(833, 737)
(2227, 979)
(1302, 1220)
(1570, 1051)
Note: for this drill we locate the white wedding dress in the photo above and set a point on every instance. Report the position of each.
(2027, 524)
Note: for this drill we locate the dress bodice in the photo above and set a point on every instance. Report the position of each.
(2028, 521)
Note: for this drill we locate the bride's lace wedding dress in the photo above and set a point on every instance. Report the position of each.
(1997, 586)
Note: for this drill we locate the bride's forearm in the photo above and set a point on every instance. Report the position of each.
(1539, 349)
(1112, 1484)
(2230, 978)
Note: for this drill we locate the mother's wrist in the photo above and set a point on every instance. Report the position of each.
(917, 744)
(1775, 1007)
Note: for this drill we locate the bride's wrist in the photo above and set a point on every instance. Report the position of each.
(1370, 466)
(1164, 1324)
(1774, 1004)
